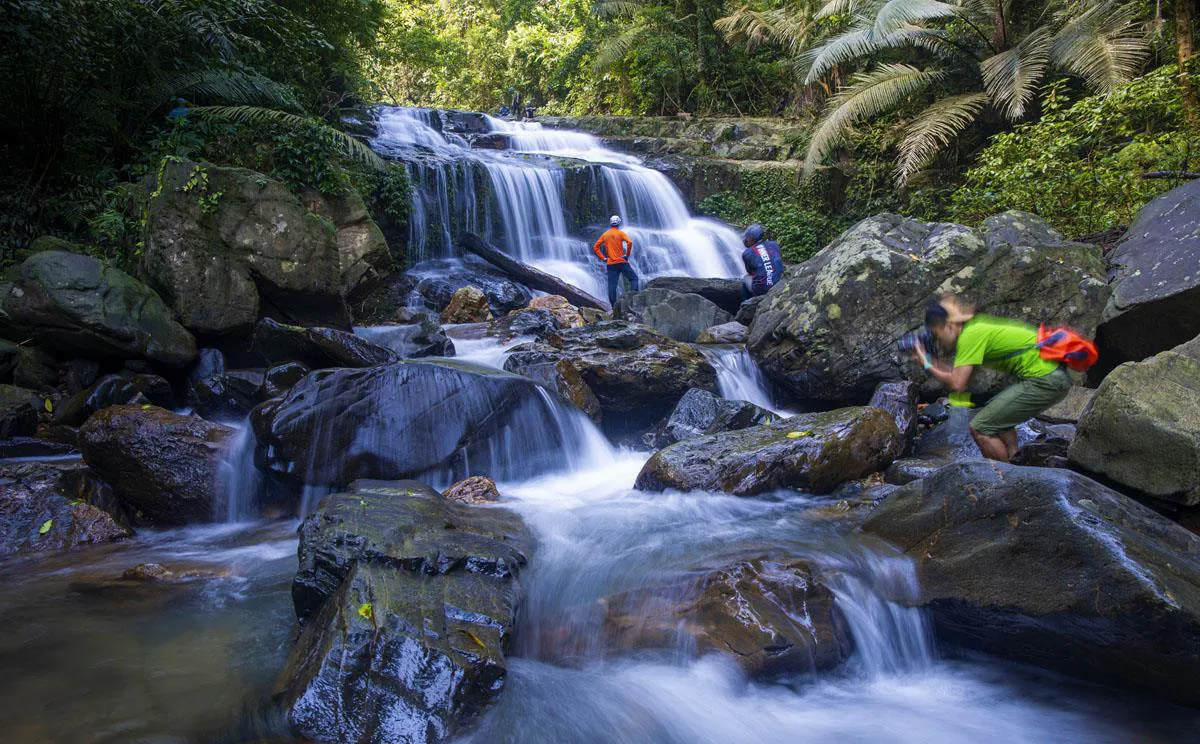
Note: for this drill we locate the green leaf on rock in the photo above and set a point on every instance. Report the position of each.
(366, 611)
(46, 526)
(49, 406)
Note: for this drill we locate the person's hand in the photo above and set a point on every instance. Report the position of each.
(921, 356)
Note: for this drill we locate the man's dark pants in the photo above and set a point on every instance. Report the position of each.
(615, 271)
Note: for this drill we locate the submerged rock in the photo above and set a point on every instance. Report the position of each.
(56, 506)
(814, 452)
(676, 315)
(408, 604)
(1048, 567)
(163, 466)
(318, 348)
(700, 413)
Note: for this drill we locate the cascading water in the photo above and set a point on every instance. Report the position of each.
(238, 481)
(740, 378)
(526, 210)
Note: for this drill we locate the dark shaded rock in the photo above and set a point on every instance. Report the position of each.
(78, 306)
(1142, 429)
(829, 330)
(1155, 274)
(114, 390)
(467, 305)
(770, 617)
(209, 363)
(229, 396)
(32, 447)
(1050, 568)
(748, 310)
(37, 370)
(951, 439)
(282, 378)
(636, 373)
(680, 316)
(55, 506)
(163, 465)
(422, 337)
(732, 332)
(80, 374)
(318, 348)
(10, 353)
(474, 490)
(442, 420)
(18, 412)
(700, 413)
(408, 603)
(724, 293)
(900, 400)
(814, 452)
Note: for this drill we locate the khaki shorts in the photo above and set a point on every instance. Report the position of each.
(1020, 402)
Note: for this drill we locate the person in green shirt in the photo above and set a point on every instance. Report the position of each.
(1001, 344)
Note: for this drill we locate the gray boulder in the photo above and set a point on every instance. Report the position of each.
(1142, 429)
(1050, 568)
(1155, 273)
(829, 330)
(408, 604)
(674, 314)
(363, 254)
(900, 400)
(732, 332)
(76, 305)
(815, 452)
(724, 293)
(700, 413)
(56, 506)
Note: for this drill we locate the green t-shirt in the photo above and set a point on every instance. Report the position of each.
(990, 341)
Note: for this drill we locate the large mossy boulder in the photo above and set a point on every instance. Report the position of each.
(363, 254)
(164, 466)
(227, 245)
(676, 315)
(76, 305)
(408, 604)
(814, 452)
(1050, 568)
(441, 421)
(1142, 428)
(770, 617)
(56, 506)
(636, 373)
(828, 332)
(1155, 273)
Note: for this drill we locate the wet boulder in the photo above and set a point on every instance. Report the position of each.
(565, 314)
(538, 323)
(564, 380)
(1142, 429)
(79, 306)
(732, 332)
(477, 489)
(1155, 273)
(408, 604)
(813, 452)
(228, 396)
(282, 378)
(422, 337)
(771, 617)
(828, 332)
(225, 246)
(56, 506)
(114, 390)
(317, 348)
(636, 374)
(1050, 568)
(676, 315)
(900, 400)
(700, 413)
(503, 294)
(18, 412)
(363, 254)
(438, 420)
(724, 293)
(162, 465)
(468, 305)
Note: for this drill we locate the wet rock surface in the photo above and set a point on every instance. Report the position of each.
(724, 293)
(813, 452)
(900, 400)
(162, 465)
(1048, 567)
(732, 332)
(828, 332)
(408, 604)
(676, 315)
(282, 378)
(18, 412)
(318, 348)
(56, 506)
(114, 390)
(474, 490)
(467, 305)
(700, 413)
(229, 396)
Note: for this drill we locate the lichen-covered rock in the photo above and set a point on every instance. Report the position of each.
(565, 314)
(829, 330)
(732, 332)
(676, 315)
(317, 348)
(363, 254)
(1050, 568)
(227, 245)
(162, 465)
(770, 617)
(56, 506)
(814, 452)
(18, 412)
(1155, 273)
(700, 413)
(408, 603)
(79, 306)
(477, 489)
(1142, 429)
(468, 305)
(636, 373)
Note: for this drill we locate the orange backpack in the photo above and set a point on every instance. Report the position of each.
(1066, 346)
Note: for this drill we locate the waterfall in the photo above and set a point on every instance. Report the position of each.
(740, 378)
(524, 208)
(238, 480)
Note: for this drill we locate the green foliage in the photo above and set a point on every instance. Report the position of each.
(1080, 166)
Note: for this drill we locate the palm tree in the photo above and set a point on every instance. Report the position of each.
(966, 58)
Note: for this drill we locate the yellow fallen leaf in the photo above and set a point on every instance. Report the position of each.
(798, 434)
(49, 406)
(367, 612)
(46, 526)
(475, 638)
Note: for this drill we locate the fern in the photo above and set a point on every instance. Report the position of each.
(354, 149)
(896, 13)
(231, 87)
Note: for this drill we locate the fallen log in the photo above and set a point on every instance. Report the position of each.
(529, 276)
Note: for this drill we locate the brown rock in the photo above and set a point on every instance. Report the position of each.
(477, 489)
(468, 305)
(566, 314)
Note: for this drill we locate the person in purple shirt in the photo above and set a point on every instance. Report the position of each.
(763, 262)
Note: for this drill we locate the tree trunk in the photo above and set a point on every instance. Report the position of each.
(1000, 28)
(529, 276)
(1185, 44)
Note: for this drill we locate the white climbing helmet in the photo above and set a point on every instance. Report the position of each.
(615, 220)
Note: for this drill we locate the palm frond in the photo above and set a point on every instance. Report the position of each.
(616, 48)
(231, 87)
(785, 27)
(837, 7)
(352, 148)
(896, 13)
(933, 129)
(618, 8)
(862, 41)
(868, 94)
(1012, 77)
(1103, 45)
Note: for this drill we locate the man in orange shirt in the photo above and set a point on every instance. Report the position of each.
(614, 248)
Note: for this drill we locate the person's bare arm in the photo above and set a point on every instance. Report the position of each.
(954, 378)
